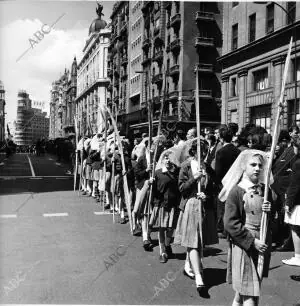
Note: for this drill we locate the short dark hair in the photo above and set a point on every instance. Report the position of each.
(226, 135)
(233, 127)
(294, 127)
(211, 137)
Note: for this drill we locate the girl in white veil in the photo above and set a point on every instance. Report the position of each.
(244, 194)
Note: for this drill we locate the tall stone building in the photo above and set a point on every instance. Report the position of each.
(255, 44)
(92, 78)
(31, 124)
(163, 49)
(2, 113)
(62, 103)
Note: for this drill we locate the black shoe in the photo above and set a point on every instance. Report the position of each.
(286, 247)
(169, 251)
(137, 232)
(203, 291)
(147, 246)
(163, 258)
(295, 278)
(190, 276)
(123, 221)
(107, 207)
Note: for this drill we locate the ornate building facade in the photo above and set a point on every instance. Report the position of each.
(31, 124)
(92, 78)
(158, 47)
(256, 38)
(2, 112)
(62, 103)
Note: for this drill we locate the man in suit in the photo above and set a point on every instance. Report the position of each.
(282, 170)
(225, 157)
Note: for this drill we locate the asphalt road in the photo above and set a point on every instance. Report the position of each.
(59, 248)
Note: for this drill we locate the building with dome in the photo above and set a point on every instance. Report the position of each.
(2, 112)
(92, 77)
(62, 103)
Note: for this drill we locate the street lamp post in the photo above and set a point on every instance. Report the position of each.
(292, 21)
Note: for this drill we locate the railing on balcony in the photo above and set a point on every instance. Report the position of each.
(123, 26)
(173, 95)
(146, 43)
(158, 78)
(175, 45)
(205, 94)
(124, 76)
(158, 56)
(207, 16)
(146, 60)
(174, 70)
(116, 99)
(202, 67)
(175, 20)
(124, 60)
(204, 41)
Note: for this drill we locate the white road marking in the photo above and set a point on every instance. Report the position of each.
(56, 215)
(97, 213)
(8, 216)
(31, 167)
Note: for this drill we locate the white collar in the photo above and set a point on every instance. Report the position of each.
(246, 184)
(164, 169)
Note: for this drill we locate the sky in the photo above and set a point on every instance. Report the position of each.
(48, 57)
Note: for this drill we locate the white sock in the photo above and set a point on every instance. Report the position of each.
(297, 256)
(199, 280)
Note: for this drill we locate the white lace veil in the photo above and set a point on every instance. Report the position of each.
(172, 157)
(234, 174)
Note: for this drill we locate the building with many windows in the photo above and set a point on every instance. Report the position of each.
(255, 44)
(62, 103)
(2, 112)
(31, 124)
(164, 47)
(92, 77)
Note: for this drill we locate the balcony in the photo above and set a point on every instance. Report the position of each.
(124, 76)
(204, 16)
(109, 72)
(109, 87)
(204, 42)
(146, 44)
(168, 48)
(175, 21)
(156, 30)
(168, 24)
(173, 95)
(116, 73)
(157, 79)
(158, 56)
(158, 41)
(174, 71)
(116, 99)
(175, 45)
(145, 6)
(124, 60)
(146, 61)
(156, 100)
(123, 27)
(205, 94)
(205, 68)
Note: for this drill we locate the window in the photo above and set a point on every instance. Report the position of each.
(261, 116)
(252, 27)
(233, 116)
(291, 8)
(297, 69)
(270, 19)
(233, 88)
(235, 4)
(260, 79)
(234, 37)
(291, 112)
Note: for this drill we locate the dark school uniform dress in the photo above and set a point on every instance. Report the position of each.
(243, 212)
(166, 199)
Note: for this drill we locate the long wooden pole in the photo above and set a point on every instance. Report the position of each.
(76, 153)
(104, 164)
(125, 182)
(158, 134)
(199, 158)
(265, 215)
(113, 173)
